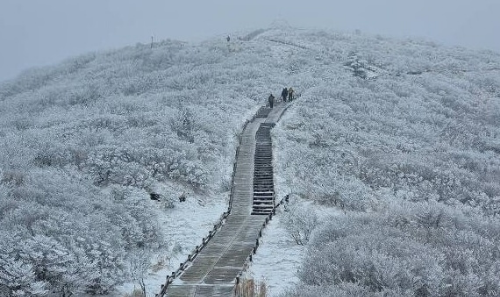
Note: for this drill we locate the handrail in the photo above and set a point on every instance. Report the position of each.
(170, 278)
(249, 259)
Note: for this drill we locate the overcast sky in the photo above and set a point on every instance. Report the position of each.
(42, 32)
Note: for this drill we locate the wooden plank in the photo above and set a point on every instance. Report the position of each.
(213, 271)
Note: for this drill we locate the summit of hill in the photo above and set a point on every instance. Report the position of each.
(402, 136)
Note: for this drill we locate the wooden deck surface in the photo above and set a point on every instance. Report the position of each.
(213, 271)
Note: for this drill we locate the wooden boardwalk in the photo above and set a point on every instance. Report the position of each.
(215, 268)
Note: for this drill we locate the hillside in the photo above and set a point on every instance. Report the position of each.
(401, 135)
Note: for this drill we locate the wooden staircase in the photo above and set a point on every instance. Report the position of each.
(263, 184)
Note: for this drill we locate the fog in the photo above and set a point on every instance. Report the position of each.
(36, 33)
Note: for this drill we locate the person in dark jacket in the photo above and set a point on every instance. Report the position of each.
(284, 94)
(271, 100)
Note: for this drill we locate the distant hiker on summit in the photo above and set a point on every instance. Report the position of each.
(284, 94)
(271, 100)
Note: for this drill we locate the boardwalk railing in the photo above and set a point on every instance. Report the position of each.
(170, 278)
(261, 113)
(249, 259)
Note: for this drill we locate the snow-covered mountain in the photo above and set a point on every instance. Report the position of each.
(403, 136)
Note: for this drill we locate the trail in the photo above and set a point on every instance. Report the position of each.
(214, 268)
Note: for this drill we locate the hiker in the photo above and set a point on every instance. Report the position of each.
(271, 100)
(228, 38)
(290, 94)
(284, 94)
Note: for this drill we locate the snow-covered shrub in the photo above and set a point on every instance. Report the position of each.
(76, 134)
(423, 249)
(12, 177)
(341, 290)
(415, 151)
(423, 130)
(392, 264)
(299, 220)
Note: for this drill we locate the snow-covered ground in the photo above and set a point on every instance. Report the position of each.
(279, 257)
(406, 142)
(185, 224)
